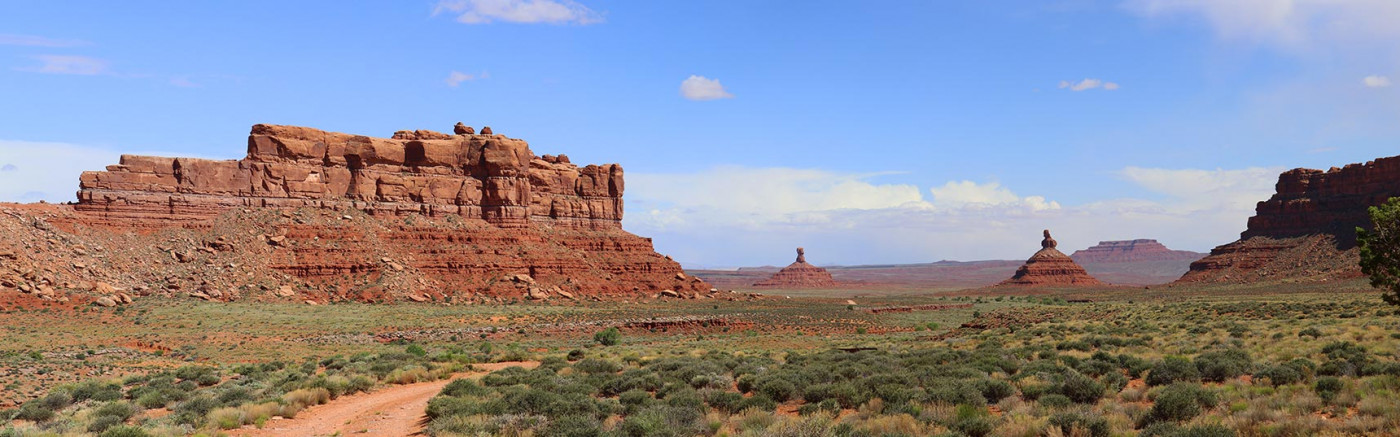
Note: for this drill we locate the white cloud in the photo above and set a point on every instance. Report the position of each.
(32, 171)
(68, 64)
(703, 88)
(38, 41)
(969, 194)
(183, 82)
(456, 78)
(1376, 81)
(1088, 84)
(754, 216)
(519, 11)
(1287, 23)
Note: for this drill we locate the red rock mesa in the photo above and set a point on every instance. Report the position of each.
(330, 216)
(1307, 229)
(1131, 251)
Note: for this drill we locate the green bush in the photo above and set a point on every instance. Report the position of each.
(1081, 423)
(574, 426)
(1079, 388)
(124, 431)
(1180, 402)
(1327, 387)
(1172, 369)
(1222, 365)
(777, 389)
(608, 337)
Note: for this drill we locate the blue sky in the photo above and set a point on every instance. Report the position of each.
(869, 132)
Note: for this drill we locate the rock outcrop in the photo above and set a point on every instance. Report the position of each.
(1049, 266)
(1307, 229)
(1132, 251)
(799, 274)
(420, 216)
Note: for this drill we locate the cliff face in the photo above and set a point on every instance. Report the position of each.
(490, 177)
(1131, 251)
(1307, 228)
(421, 216)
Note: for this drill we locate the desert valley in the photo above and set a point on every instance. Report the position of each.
(462, 282)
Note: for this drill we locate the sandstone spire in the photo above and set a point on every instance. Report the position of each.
(799, 274)
(1049, 266)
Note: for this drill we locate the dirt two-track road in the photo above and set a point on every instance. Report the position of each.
(394, 411)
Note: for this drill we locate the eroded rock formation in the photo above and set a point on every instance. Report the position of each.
(421, 216)
(1049, 266)
(799, 274)
(1131, 251)
(1307, 229)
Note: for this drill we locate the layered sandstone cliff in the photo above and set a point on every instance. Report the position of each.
(1131, 251)
(1049, 266)
(1307, 229)
(799, 274)
(331, 216)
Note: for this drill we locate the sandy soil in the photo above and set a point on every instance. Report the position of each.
(395, 411)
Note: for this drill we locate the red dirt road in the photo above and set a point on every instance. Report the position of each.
(393, 411)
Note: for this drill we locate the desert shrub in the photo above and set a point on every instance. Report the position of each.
(1310, 332)
(1079, 388)
(608, 337)
(1114, 381)
(124, 431)
(596, 366)
(1328, 387)
(994, 390)
(573, 426)
(464, 387)
(574, 355)
(1055, 400)
(661, 420)
(1180, 402)
(1282, 374)
(1081, 424)
(1218, 366)
(96, 391)
(727, 402)
(119, 409)
(101, 423)
(759, 401)
(777, 389)
(1172, 369)
(45, 408)
(307, 397)
(1165, 429)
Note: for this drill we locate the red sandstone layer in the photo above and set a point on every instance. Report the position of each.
(799, 274)
(1049, 266)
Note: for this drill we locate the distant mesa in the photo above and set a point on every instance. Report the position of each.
(1122, 251)
(799, 274)
(1049, 266)
(1306, 230)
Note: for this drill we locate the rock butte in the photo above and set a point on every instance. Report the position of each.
(1307, 228)
(799, 274)
(1131, 251)
(445, 216)
(1049, 266)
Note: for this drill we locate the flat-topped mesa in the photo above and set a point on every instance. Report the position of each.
(1049, 266)
(1307, 228)
(1132, 251)
(487, 176)
(799, 274)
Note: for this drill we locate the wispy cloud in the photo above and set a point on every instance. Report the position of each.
(38, 41)
(68, 64)
(518, 11)
(456, 78)
(1088, 84)
(183, 82)
(703, 88)
(1376, 81)
(1287, 23)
